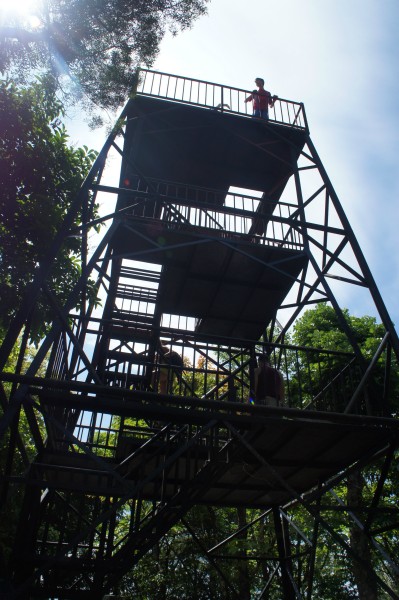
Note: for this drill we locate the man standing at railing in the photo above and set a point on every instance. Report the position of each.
(262, 99)
(171, 366)
(269, 384)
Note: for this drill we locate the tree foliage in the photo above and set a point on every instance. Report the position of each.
(320, 328)
(39, 175)
(97, 44)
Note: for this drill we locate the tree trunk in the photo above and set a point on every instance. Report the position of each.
(363, 572)
(244, 585)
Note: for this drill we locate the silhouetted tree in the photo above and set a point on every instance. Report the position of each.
(95, 45)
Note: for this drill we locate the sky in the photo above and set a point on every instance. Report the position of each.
(341, 59)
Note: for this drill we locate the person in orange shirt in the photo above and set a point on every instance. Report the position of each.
(171, 366)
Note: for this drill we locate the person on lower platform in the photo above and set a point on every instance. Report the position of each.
(171, 367)
(269, 384)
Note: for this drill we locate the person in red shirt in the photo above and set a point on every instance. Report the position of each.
(269, 384)
(262, 99)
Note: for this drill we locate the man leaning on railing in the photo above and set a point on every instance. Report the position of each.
(262, 99)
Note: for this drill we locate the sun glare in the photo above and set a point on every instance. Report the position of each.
(21, 11)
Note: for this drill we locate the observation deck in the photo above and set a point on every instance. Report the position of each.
(206, 229)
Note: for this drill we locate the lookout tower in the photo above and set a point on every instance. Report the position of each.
(217, 232)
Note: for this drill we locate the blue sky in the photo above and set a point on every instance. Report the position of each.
(339, 57)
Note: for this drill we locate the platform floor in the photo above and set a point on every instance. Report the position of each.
(276, 454)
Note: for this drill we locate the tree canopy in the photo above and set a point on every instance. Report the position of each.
(39, 175)
(94, 46)
(320, 328)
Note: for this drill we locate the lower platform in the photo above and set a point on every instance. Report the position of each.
(248, 456)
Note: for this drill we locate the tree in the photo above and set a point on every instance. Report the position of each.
(320, 328)
(39, 175)
(15, 452)
(95, 44)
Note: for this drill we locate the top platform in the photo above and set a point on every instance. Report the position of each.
(222, 98)
(201, 133)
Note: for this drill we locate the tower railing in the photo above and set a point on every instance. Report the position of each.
(323, 380)
(217, 97)
(233, 215)
(215, 377)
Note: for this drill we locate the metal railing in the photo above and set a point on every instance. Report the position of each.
(314, 379)
(215, 96)
(227, 214)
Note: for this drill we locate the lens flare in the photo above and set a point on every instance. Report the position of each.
(22, 12)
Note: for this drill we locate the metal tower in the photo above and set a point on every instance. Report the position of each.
(216, 232)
